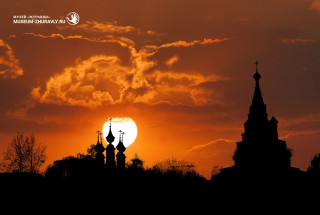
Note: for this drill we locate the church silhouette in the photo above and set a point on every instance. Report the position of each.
(110, 151)
(261, 155)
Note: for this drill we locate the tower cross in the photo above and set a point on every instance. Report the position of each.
(98, 134)
(120, 132)
(110, 122)
(122, 135)
(256, 63)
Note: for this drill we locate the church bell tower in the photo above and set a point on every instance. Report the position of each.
(260, 147)
(110, 160)
(99, 157)
(121, 158)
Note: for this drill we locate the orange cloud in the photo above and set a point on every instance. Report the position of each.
(153, 33)
(184, 87)
(297, 40)
(51, 36)
(315, 5)
(205, 156)
(120, 40)
(104, 27)
(182, 43)
(214, 143)
(305, 125)
(77, 85)
(172, 60)
(9, 66)
(147, 50)
(286, 122)
(300, 133)
(103, 79)
(184, 78)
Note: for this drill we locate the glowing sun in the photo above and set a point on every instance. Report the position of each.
(126, 124)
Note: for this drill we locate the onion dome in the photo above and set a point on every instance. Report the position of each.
(99, 147)
(257, 96)
(120, 146)
(110, 138)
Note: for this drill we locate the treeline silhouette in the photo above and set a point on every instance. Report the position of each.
(173, 178)
(164, 175)
(81, 169)
(78, 177)
(81, 172)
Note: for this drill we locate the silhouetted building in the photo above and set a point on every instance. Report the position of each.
(260, 146)
(110, 151)
(260, 151)
(110, 157)
(99, 156)
(121, 158)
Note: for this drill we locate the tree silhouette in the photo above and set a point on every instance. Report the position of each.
(24, 154)
(174, 167)
(215, 170)
(136, 162)
(315, 165)
(91, 152)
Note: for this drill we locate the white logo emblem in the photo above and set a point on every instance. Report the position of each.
(73, 18)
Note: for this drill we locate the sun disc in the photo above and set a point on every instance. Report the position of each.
(125, 124)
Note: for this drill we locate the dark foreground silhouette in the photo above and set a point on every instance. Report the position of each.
(78, 182)
(138, 185)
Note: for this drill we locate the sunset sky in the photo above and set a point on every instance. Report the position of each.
(181, 69)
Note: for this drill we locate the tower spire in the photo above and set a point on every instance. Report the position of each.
(98, 136)
(110, 138)
(110, 160)
(121, 158)
(120, 145)
(122, 135)
(99, 157)
(257, 108)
